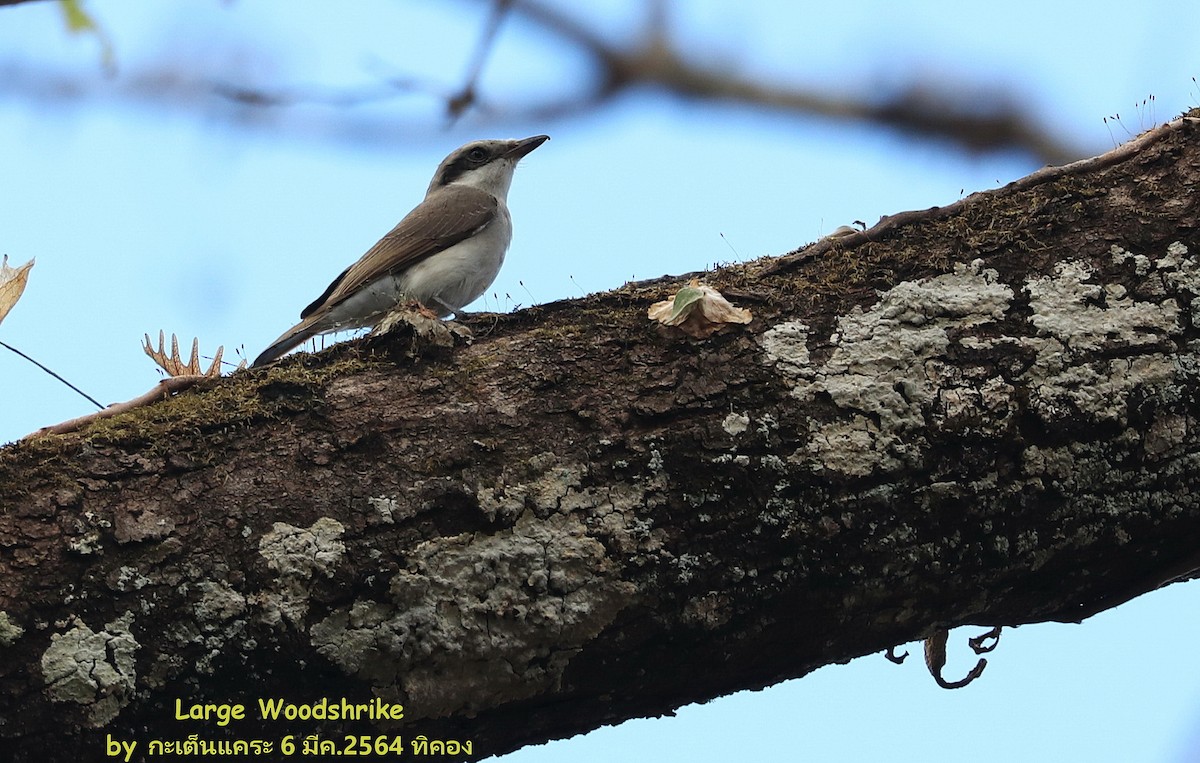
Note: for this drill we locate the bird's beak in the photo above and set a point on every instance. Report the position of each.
(522, 147)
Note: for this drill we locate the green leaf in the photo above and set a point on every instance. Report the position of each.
(686, 296)
(80, 22)
(76, 17)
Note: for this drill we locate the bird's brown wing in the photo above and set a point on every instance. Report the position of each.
(445, 218)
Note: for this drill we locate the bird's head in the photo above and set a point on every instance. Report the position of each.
(484, 164)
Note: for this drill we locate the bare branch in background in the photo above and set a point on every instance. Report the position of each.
(972, 116)
(465, 98)
(978, 119)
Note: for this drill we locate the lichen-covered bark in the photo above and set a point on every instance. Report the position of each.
(986, 416)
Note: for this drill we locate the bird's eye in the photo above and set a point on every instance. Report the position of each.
(477, 154)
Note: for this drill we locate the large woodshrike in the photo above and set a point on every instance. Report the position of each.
(444, 253)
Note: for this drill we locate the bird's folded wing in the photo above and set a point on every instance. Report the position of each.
(445, 218)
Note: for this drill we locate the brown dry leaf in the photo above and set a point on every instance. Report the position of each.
(12, 284)
(697, 310)
(174, 365)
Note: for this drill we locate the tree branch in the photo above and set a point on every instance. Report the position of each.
(983, 417)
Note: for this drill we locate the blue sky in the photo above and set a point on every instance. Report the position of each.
(143, 217)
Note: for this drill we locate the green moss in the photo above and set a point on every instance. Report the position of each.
(212, 404)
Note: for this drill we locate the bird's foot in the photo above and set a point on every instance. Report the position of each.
(424, 325)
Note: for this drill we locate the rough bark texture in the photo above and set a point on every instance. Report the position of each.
(987, 416)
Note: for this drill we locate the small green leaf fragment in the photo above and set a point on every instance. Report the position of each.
(684, 299)
(76, 17)
(79, 21)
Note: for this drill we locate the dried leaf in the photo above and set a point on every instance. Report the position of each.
(174, 365)
(697, 310)
(12, 284)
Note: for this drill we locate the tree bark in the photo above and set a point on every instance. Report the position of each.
(984, 414)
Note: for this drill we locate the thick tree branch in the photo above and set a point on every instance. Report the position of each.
(982, 417)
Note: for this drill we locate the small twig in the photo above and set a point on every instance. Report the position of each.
(735, 251)
(160, 391)
(91, 399)
(245, 95)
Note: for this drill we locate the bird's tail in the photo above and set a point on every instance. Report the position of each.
(293, 337)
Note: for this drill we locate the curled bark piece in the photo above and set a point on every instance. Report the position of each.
(935, 660)
(978, 642)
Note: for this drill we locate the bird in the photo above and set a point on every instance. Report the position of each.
(444, 254)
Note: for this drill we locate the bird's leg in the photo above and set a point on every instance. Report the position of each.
(450, 309)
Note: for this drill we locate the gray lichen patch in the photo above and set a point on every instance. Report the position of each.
(735, 424)
(1076, 319)
(126, 578)
(218, 603)
(89, 543)
(297, 554)
(300, 551)
(786, 346)
(9, 630)
(1087, 316)
(92, 669)
(883, 371)
(891, 376)
(385, 510)
(848, 447)
(476, 620)
(1087, 348)
(538, 483)
(1178, 270)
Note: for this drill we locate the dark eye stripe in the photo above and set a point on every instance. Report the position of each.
(468, 160)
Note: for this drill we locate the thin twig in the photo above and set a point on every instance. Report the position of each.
(93, 400)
